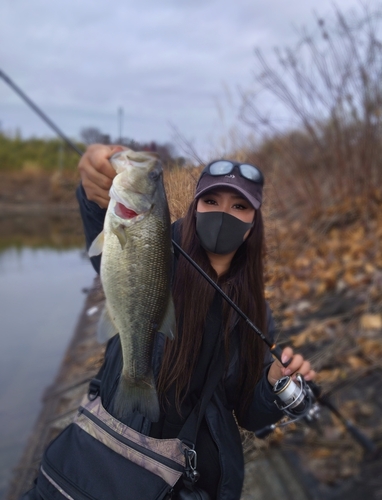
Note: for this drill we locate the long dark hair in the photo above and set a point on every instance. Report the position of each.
(193, 295)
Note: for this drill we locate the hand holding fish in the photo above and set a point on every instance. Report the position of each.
(297, 365)
(97, 173)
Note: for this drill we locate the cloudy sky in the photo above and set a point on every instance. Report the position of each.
(163, 62)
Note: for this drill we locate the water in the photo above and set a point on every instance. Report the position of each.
(40, 301)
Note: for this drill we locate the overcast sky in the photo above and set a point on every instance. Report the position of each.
(163, 61)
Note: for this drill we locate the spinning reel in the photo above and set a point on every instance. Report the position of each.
(296, 400)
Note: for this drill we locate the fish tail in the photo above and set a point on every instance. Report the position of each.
(138, 395)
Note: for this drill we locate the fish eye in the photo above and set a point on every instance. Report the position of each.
(154, 175)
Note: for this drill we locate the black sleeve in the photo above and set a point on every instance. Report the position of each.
(263, 410)
(92, 218)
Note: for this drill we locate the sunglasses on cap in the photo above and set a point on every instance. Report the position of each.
(225, 167)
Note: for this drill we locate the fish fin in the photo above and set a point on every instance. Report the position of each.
(139, 395)
(168, 326)
(97, 245)
(120, 233)
(105, 328)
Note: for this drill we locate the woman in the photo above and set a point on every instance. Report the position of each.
(223, 232)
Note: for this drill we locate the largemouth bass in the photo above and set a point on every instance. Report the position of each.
(135, 273)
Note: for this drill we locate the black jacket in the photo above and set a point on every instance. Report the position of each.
(219, 413)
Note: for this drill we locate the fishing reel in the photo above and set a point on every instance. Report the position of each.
(296, 400)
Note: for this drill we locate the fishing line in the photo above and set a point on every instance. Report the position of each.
(306, 387)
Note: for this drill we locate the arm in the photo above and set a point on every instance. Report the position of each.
(92, 219)
(93, 193)
(263, 410)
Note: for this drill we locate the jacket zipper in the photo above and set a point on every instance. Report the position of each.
(159, 458)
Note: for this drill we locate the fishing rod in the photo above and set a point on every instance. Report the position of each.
(39, 112)
(296, 400)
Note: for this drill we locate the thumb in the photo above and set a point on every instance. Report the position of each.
(116, 149)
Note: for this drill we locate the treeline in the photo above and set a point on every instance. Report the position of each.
(166, 151)
(18, 154)
(47, 155)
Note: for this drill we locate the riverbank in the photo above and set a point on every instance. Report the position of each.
(36, 191)
(41, 283)
(39, 210)
(62, 397)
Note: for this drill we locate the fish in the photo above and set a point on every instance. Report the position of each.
(136, 267)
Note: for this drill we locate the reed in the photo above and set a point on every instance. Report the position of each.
(329, 87)
(180, 187)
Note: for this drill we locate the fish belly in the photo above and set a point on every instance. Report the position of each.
(136, 281)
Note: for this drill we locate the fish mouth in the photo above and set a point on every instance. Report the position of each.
(124, 212)
(121, 206)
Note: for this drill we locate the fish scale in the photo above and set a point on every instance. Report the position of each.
(136, 275)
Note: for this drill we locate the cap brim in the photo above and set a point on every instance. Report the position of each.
(248, 196)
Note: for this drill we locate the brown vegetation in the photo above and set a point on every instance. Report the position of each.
(328, 89)
(37, 188)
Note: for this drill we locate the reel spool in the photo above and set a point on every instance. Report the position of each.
(295, 399)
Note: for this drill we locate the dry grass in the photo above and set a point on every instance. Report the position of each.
(180, 187)
(328, 89)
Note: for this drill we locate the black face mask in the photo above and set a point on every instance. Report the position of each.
(220, 232)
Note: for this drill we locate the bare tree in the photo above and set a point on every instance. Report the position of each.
(92, 135)
(329, 87)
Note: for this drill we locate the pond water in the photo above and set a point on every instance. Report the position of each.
(40, 301)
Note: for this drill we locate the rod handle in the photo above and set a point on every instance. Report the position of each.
(366, 443)
(277, 351)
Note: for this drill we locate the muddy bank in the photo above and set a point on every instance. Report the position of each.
(38, 192)
(39, 210)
